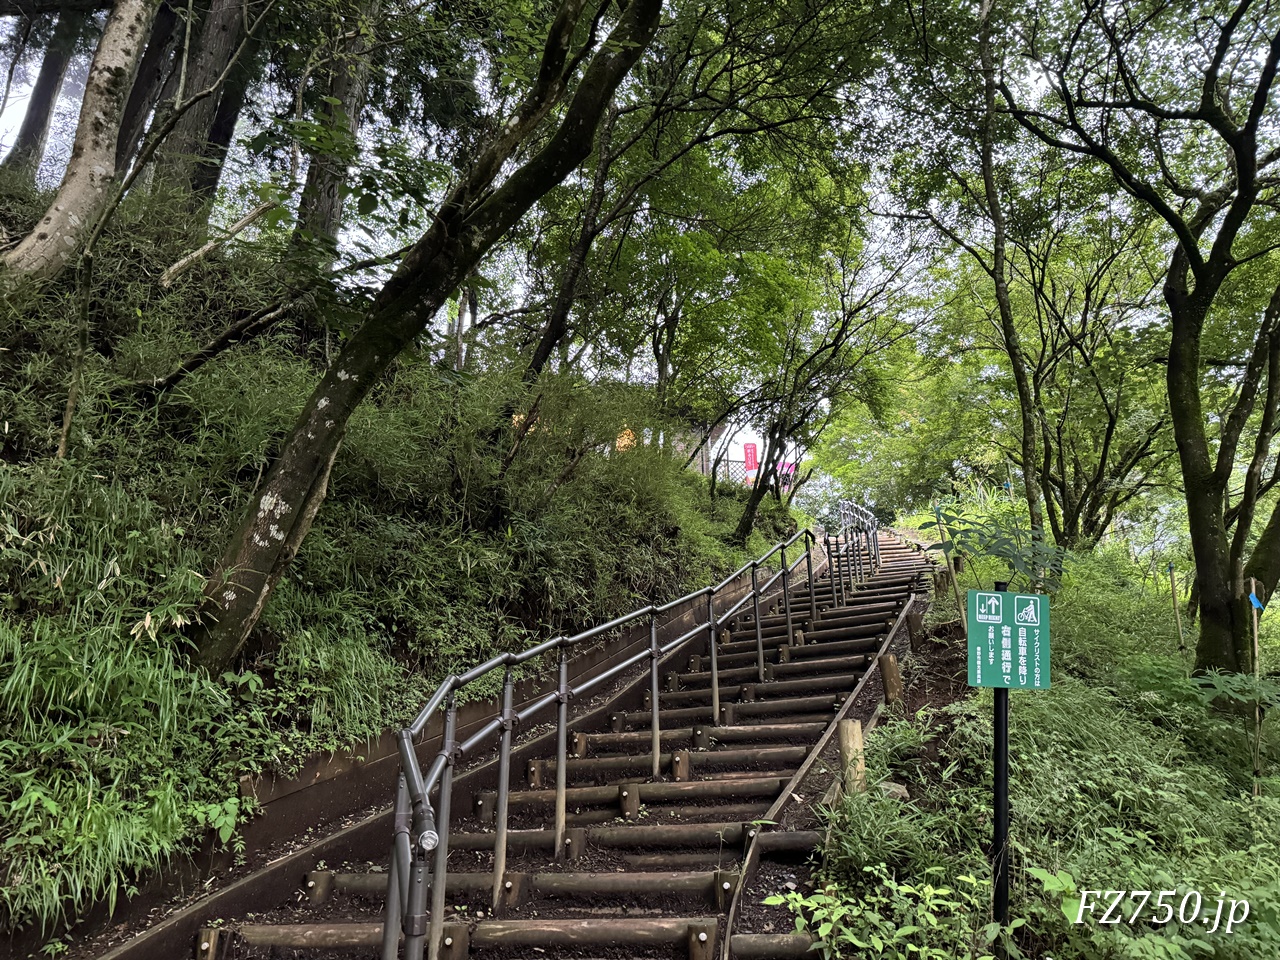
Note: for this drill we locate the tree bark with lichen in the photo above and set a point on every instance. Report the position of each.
(477, 212)
(86, 186)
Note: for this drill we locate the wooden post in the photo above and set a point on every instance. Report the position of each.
(953, 574)
(892, 678)
(701, 941)
(207, 943)
(1177, 613)
(853, 760)
(1257, 706)
(915, 628)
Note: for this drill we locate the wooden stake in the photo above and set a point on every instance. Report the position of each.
(853, 760)
(953, 574)
(915, 628)
(1257, 705)
(207, 943)
(1177, 613)
(892, 678)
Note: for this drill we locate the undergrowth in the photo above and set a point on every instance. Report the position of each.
(1122, 778)
(449, 534)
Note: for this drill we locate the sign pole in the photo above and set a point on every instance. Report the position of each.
(1000, 842)
(1008, 650)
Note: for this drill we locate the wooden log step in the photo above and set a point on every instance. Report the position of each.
(759, 691)
(532, 840)
(782, 773)
(616, 796)
(680, 716)
(749, 646)
(770, 946)
(717, 859)
(310, 935)
(710, 789)
(522, 800)
(771, 625)
(857, 618)
(638, 883)
(748, 631)
(836, 634)
(693, 814)
(813, 718)
(803, 685)
(835, 648)
(779, 671)
(591, 743)
(730, 713)
(668, 835)
(790, 841)
(702, 678)
(593, 932)
(867, 609)
(541, 772)
(767, 620)
(864, 592)
(320, 885)
(747, 658)
(751, 757)
(680, 698)
(794, 732)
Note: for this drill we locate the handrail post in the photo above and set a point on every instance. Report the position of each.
(715, 665)
(871, 548)
(808, 562)
(755, 601)
(786, 598)
(837, 593)
(393, 916)
(440, 871)
(562, 751)
(504, 786)
(655, 731)
(840, 558)
(857, 552)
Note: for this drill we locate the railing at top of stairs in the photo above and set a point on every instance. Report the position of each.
(421, 830)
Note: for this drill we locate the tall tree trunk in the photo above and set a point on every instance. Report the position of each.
(999, 275)
(207, 172)
(1224, 621)
(476, 213)
(86, 185)
(320, 209)
(153, 70)
(774, 449)
(557, 325)
(28, 148)
(220, 36)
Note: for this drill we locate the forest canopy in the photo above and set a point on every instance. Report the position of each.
(342, 343)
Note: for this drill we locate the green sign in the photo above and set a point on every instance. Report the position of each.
(1008, 640)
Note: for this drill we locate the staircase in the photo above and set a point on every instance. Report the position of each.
(621, 831)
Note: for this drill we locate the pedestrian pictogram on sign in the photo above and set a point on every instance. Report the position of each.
(989, 605)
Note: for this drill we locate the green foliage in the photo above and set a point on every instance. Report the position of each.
(897, 920)
(436, 548)
(1122, 777)
(994, 530)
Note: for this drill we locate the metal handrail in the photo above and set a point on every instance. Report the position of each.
(419, 829)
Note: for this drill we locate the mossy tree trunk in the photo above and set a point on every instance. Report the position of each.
(1210, 224)
(475, 214)
(86, 187)
(28, 148)
(153, 70)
